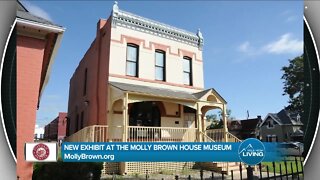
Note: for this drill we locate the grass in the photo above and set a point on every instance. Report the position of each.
(295, 167)
(166, 172)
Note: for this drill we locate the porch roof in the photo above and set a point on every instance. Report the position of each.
(154, 91)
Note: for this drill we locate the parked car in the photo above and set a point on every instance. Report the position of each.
(291, 148)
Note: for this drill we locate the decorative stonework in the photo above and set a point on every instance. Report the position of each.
(138, 23)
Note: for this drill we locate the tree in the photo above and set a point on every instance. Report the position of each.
(217, 123)
(293, 83)
(211, 117)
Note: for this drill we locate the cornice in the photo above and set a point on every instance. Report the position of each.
(132, 21)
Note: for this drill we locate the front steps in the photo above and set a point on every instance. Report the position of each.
(222, 167)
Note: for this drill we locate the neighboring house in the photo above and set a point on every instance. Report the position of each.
(246, 128)
(38, 132)
(56, 129)
(283, 126)
(140, 80)
(37, 43)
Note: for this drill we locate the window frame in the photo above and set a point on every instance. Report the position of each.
(270, 124)
(190, 69)
(157, 66)
(136, 62)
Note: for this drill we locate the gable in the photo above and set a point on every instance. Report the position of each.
(210, 95)
(268, 118)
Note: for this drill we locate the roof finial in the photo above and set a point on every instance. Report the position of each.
(199, 34)
(115, 7)
(200, 41)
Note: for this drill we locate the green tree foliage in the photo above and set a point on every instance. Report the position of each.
(293, 83)
(216, 119)
(67, 170)
(211, 117)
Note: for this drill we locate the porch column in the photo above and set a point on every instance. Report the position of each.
(199, 121)
(125, 118)
(123, 165)
(225, 122)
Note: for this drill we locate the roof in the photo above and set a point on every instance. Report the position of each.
(285, 117)
(23, 13)
(153, 91)
(248, 124)
(297, 133)
(200, 94)
(138, 23)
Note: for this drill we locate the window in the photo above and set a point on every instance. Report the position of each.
(85, 82)
(187, 71)
(132, 60)
(160, 65)
(270, 124)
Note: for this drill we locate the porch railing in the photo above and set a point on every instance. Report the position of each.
(218, 135)
(232, 138)
(206, 138)
(85, 135)
(105, 133)
(163, 134)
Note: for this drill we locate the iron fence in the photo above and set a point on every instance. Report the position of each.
(290, 168)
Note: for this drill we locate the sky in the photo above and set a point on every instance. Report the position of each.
(245, 45)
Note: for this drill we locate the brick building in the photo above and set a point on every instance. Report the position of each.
(37, 43)
(56, 129)
(141, 80)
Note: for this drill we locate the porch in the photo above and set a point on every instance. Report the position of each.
(105, 133)
(138, 113)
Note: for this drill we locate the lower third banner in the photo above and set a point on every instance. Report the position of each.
(249, 151)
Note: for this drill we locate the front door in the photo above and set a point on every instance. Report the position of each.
(189, 119)
(145, 114)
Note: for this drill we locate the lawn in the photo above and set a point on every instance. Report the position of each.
(296, 167)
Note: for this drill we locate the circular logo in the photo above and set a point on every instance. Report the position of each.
(41, 151)
(251, 151)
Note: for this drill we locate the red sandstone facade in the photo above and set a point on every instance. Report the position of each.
(37, 43)
(56, 129)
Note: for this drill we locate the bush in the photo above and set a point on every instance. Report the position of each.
(67, 170)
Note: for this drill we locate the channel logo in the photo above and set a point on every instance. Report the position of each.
(41, 152)
(251, 151)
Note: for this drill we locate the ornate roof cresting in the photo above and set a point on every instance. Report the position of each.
(139, 23)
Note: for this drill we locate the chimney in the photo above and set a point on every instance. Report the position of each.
(259, 117)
